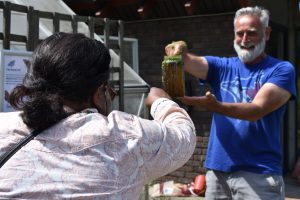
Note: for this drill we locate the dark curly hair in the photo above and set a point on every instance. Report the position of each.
(65, 66)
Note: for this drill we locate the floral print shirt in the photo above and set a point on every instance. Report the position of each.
(91, 156)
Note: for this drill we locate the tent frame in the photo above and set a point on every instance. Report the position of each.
(31, 40)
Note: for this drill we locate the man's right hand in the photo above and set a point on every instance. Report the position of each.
(193, 64)
(176, 48)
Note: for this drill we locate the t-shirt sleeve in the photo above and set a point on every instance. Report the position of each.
(216, 67)
(284, 76)
(168, 141)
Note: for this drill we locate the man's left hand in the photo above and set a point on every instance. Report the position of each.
(208, 101)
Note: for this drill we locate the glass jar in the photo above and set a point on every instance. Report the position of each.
(173, 76)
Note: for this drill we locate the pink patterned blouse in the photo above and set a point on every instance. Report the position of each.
(90, 156)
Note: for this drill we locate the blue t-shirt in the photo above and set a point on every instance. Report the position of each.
(236, 144)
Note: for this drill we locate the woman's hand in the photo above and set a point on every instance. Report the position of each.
(154, 94)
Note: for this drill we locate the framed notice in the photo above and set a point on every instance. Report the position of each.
(13, 69)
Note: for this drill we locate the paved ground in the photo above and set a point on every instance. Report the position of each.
(292, 191)
(292, 188)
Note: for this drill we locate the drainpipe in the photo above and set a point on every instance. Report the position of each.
(291, 130)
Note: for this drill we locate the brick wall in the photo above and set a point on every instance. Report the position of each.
(193, 167)
(205, 35)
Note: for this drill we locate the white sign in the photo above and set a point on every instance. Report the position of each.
(13, 69)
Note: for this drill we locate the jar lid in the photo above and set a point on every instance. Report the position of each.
(173, 59)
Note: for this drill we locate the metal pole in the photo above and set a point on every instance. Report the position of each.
(121, 64)
(6, 25)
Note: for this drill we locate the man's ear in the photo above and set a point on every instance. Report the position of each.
(268, 32)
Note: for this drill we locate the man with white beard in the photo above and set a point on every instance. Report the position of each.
(244, 158)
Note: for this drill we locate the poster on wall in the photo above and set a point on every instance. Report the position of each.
(13, 69)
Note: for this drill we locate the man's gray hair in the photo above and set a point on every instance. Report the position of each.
(263, 14)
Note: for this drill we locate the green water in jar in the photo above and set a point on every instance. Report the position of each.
(173, 76)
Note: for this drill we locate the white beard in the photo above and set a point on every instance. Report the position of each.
(249, 55)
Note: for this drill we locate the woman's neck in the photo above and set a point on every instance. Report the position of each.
(73, 107)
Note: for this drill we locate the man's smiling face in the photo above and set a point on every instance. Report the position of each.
(250, 38)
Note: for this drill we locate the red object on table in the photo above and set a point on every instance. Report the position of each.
(199, 184)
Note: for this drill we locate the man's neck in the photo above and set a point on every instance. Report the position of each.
(257, 59)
